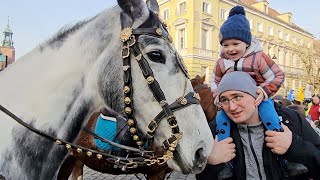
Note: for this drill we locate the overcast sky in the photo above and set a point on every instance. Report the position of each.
(34, 21)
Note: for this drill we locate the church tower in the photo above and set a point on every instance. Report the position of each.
(7, 49)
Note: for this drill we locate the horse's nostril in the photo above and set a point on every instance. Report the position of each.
(200, 158)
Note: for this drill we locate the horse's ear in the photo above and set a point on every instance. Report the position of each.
(153, 6)
(137, 10)
(203, 78)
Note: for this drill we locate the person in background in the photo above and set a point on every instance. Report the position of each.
(301, 112)
(300, 96)
(308, 104)
(315, 108)
(256, 152)
(308, 92)
(290, 95)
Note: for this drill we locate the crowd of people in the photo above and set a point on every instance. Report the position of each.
(258, 133)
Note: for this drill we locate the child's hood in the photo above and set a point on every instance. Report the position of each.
(253, 48)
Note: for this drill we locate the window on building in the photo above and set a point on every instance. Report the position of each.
(293, 84)
(294, 40)
(251, 24)
(181, 38)
(290, 19)
(301, 42)
(166, 14)
(223, 14)
(204, 38)
(203, 70)
(309, 45)
(260, 27)
(280, 34)
(270, 31)
(287, 37)
(206, 7)
(265, 9)
(182, 7)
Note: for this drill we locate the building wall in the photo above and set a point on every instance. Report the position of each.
(10, 52)
(200, 58)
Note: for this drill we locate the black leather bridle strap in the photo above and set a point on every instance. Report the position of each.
(177, 105)
(147, 73)
(191, 99)
(10, 114)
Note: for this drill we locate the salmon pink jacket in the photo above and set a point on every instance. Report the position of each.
(267, 74)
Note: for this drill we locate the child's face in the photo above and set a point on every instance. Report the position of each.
(233, 49)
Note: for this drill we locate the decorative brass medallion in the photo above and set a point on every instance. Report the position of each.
(127, 100)
(125, 34)
(126, 89)
(159, 31)
(128, 110)
(130, 122)
(183, 101)
(150, 80)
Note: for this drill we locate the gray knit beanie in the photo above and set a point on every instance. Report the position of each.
(237, 81)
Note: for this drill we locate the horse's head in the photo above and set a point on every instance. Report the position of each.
(158, 97)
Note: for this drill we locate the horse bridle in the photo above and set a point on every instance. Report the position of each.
(143, 157)
(129, 37)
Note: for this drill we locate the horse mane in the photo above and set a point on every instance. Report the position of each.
(57, 40)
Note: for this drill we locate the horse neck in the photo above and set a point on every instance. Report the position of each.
(62, 93)
(207, 101)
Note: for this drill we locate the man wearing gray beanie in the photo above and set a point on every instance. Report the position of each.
(241, 52)
(258, 153)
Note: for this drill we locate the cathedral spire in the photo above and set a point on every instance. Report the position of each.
(7, 40)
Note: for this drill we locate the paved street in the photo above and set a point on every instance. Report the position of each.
(94, 175)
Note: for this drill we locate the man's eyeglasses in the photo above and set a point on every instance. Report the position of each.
(226, 102)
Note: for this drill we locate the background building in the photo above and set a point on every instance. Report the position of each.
(195, 26)
(7, 50)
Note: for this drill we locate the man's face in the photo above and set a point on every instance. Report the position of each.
(315, 100)
(241, 108)
(233, 49)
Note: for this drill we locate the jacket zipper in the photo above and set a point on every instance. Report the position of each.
(235, 67)
(254, 154)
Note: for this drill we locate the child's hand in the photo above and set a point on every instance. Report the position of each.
(259, 98)
(214, 93)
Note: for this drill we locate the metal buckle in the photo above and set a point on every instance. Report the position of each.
(131, 165)
(153, 125)
(125, 51)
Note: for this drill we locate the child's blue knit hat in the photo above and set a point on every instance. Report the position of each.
(236, 26)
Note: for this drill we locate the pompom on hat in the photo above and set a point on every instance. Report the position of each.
(236, 26)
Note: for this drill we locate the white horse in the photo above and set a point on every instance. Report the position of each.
(58, 85)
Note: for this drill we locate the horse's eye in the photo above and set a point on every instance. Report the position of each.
(157, 57)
